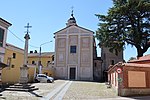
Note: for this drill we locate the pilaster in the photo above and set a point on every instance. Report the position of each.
(67, 51)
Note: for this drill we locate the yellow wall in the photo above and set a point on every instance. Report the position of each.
(31, 72)
(12, 74)
(48, 72)
(44, 60)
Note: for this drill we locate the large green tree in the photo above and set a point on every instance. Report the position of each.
(127, 22)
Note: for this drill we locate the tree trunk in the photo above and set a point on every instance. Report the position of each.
(139, 52)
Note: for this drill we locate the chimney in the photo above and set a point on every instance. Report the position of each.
(31, 51)
(35, 51)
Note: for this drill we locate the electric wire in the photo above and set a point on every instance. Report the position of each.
(15, 36)
(21, 39)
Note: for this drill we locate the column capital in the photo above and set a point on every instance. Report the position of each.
(27, 37)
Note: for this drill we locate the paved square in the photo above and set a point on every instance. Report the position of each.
(89, 90)
(67, 90)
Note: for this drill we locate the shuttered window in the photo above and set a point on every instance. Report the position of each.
(1, 37)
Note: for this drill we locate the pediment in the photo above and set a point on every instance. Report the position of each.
(74, 29)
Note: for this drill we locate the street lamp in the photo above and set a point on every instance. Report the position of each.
(40, 67)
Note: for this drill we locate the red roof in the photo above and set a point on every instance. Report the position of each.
(128, 65)
(146, 57)
(136, 65)
(140, 59)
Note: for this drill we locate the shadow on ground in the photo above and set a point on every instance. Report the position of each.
(35, 94)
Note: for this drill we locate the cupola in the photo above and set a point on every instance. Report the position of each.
(71, 21)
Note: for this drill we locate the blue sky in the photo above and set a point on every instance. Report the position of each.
(49, 16)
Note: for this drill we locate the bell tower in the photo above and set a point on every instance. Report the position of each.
(109, 58)
(71, 20)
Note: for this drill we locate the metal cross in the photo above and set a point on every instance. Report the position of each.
(28, 27)
(72, 10)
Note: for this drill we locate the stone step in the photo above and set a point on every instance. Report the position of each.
(21, 86)
(21, 89)
(18, 84)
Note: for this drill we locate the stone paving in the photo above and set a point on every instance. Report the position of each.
(89, 90)
(76, 90)
(44, 89)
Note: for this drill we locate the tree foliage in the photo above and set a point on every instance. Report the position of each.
(128, 21)
(132, 58)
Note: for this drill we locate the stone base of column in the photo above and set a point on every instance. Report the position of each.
(23, 74)
(23, 80)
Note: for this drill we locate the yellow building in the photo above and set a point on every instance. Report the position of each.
(14, 57)
(4, 25)
(47, 61)
(31, 72)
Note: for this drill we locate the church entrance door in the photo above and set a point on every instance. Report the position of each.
(72, 73)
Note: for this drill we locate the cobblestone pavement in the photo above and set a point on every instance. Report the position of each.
(88, 90)
(44, 89)
(75, 90)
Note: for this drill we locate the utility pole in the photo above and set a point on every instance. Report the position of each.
(39, 64)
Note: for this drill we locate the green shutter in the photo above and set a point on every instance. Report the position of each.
(1, 37)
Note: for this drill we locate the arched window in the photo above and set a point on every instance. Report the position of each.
(14, 55)
(112, 62)
(33, 62)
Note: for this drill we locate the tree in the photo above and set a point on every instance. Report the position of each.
(132, 58)
(127, 22)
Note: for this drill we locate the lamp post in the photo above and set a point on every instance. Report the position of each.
(39, 66)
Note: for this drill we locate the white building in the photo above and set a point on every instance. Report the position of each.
(74, 52)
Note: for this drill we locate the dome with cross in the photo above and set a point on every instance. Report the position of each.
(72, 20)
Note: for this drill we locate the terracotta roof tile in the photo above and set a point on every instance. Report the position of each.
(139, 59)
(146, 57)
(136, 65)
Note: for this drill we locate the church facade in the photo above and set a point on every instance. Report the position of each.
(74, 52)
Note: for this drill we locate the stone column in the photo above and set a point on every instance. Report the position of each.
(24, 68)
